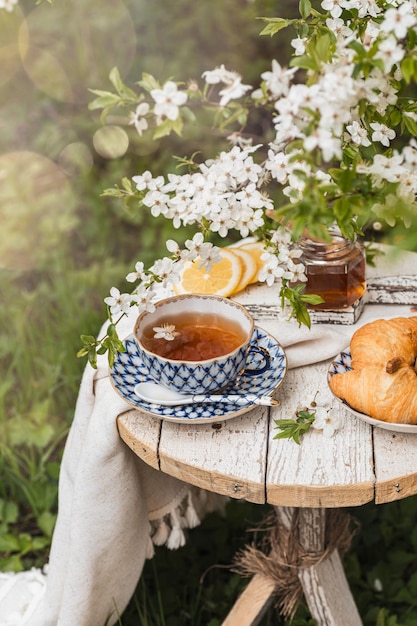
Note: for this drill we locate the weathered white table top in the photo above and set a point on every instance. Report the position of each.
(240, 458)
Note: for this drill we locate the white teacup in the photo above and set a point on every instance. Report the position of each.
(197, 344)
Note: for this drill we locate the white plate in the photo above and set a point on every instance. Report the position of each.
(342, 364)
(128, 370)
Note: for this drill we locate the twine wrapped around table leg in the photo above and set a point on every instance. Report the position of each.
(280, 555)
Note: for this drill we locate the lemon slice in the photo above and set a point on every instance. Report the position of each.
(222, 279)
(250, 268)
(255, 249)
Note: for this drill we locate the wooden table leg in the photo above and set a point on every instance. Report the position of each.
(253, 603)
(325, 587)
(324, 584)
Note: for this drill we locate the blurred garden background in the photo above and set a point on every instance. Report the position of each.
(62, 246)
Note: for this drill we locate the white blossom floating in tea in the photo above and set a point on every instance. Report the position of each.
(166, 331)
(193, 337)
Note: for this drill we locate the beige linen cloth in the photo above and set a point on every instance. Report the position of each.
(113, 507)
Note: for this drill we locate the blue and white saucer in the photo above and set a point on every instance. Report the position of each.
(128, 370)
(342, 364)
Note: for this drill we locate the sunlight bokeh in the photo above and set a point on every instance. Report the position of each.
(65, 65)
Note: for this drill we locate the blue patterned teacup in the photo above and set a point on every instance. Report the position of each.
(197, 344)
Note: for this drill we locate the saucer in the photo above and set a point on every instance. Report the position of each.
(341, 365)
(128, 370)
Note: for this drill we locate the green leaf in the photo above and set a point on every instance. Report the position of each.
(148, 82)
(311, 298)
(295, 428)
(9, 512)
(122, 89)
(323, 47)
(116, 80)
(163, 129)
(46, 522)
(9, 543)
(106, 99)
(274, 25)
(88, 339)
(407, 69)
(92, 358)
(410, 124)
(304, 8)
(305, 62)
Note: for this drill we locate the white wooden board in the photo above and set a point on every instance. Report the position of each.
(322, 472)
(228, 458)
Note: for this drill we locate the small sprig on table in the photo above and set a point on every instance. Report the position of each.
(317, 415)
(295, 428)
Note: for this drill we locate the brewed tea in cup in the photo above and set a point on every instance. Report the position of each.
(196, 343)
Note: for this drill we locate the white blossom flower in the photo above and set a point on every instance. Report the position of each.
(277, 81)
(338, 27)
(410, 155)
(388, 168)
(297, 271)
(281, 236)
(234, 88)
(325, 421)
(390, 52)
(222, 222)
(218, 75)
(143, 297)
(168, 100)
(138, 274)
(211, 255)
(323, 139)
(118, 302)
(299, 45)
(399, 20)
(333, 6)
(166, 270)
(272, 270)
(197, 247)
(157, 201)
(173, 247)
(277, 164)
(358, 134)
(166, 331)
(147, 181)
(382, 133)
(138, 118)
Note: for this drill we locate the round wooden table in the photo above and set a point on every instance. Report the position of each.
(240, 457)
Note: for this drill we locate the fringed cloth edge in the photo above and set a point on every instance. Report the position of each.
(167, 525)
(280, 555)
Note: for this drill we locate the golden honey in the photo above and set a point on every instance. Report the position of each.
(335, 270)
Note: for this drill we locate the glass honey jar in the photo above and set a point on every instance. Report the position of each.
(335, 269)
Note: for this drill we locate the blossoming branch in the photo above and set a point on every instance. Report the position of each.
(340, 146)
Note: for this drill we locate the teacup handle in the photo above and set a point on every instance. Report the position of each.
(248, 371)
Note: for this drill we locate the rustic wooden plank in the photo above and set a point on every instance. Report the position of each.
(141, 433)
(228, 457)
(321, 472)
(395, 465)
(392, 290)
(252, 604)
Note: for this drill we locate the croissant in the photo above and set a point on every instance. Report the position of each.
(379, 341)
(386, 393)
